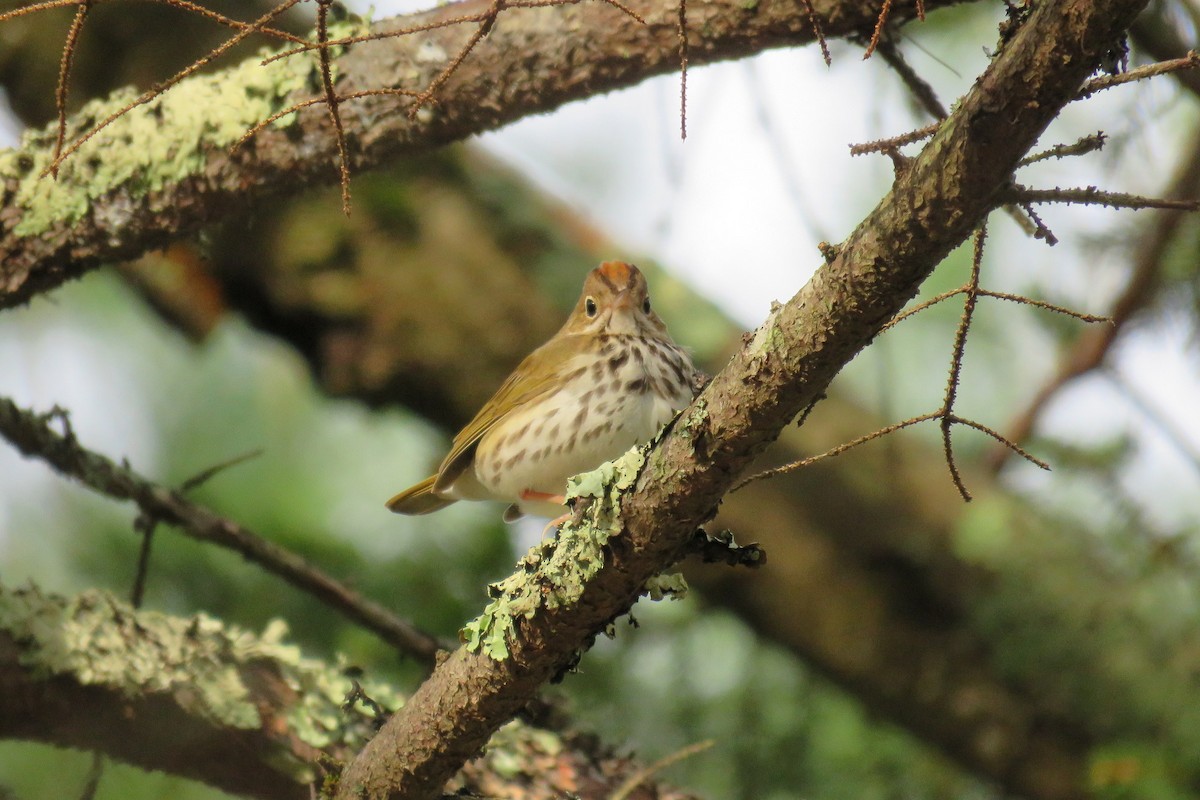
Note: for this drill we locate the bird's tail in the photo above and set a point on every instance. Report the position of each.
(419, 499)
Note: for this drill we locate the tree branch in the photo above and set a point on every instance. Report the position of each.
(242, 712)
(33, 435)
(160, 173)
(932, 207)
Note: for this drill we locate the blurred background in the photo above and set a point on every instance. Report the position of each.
(1040, 641)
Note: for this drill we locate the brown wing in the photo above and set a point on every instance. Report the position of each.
(535, 377)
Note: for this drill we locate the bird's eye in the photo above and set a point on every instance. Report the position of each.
(646, 306)
(589, 307)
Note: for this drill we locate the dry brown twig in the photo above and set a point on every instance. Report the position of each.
(945, 415)
(1189, 61)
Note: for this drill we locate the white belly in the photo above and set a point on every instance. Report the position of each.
(593, 419)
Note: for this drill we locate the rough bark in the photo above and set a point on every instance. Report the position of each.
(936, 201)
(161, 173)
(242, 712)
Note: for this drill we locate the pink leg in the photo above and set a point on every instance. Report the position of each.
(545, 497)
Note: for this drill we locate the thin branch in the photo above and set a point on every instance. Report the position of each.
(818, 33)
(896, 142)
(683, 66)
(64, 77)
(33, 435)
(1091, 349)
(331, 102)
(880, 22)
(1091, 195)
(20, 12)
(1189, 61)
(1085, 145)
(960, 343)
(637, 779)
(312, 101)
(159, 88)
(920, 89)
(229, 22)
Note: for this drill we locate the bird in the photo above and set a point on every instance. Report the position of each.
(609, 379)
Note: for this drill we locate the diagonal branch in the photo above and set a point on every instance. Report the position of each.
(932, 207)
(33, 435)
(130, 198)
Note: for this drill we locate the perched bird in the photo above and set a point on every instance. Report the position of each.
(608, 380)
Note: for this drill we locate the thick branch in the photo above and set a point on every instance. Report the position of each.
(245, 713)
(162, 173)
(931, 209)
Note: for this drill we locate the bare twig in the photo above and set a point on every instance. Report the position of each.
(33, 435)
(36, 7)
(896, 142)
(880, 22)
(64, 76)
(960, 343)
(1190, 61)
(1091, 195)
(683, 65)
(1085, 145)
(331, 102)
(818, 32)
(1091, 349)
(920, 89)
(159, 88)
(637, 779)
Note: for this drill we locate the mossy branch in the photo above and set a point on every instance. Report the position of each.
(165, 169)
(258, 718)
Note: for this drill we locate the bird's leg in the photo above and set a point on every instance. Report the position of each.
(546, 497)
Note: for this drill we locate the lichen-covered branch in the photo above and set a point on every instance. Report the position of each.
(932, 207)
(246, 713)
(33, 435)
(166, 169)
(91, 672)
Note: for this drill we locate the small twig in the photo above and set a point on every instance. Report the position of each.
(64, 76)
(207, 474)
(229, 22)
(836, 451)
(145, 525)
(1091, 195)
(1040, 229)
(331, 102)
(95, 773)
(312, 101)
(880, 21)
(36, 7)
(896, 142)
(641, 776)
(158, 89)
(683, 67)
(33, 435)
(1087, 144)
(956, 358)
(920, 89)
(1091, 349)
(818, 32)
(1191, 60)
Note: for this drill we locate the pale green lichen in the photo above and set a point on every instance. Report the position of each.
(99, 641)
(156, 144)
(554, 572)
